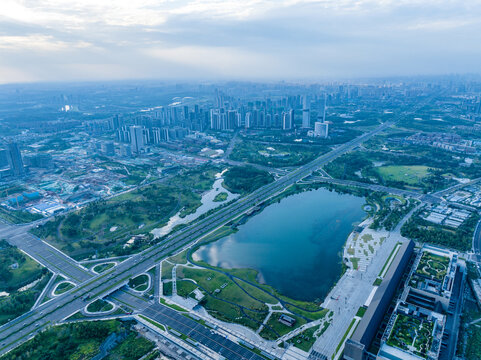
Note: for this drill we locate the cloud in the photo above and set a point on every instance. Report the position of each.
(39, 42)
(251, 39)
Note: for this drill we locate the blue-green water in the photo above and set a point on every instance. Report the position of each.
(296, 245)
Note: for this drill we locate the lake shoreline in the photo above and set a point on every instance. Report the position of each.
(264, 277)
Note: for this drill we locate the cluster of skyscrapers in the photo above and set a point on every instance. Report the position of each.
(174, 122)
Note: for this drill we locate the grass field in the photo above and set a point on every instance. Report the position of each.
(307, 338)
(100, 268)
(184, 288)
(139, 283)
(411, 175)
(278, 327)
(63, 287)
(99, 306)
(167, 270)
(224, 299)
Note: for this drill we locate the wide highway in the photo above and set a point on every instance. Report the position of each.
(24, 327)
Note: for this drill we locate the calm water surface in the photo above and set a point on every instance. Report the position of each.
(296, 244)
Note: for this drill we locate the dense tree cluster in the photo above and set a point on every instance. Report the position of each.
(245, 179)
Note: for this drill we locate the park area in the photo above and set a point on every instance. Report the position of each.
(412, 167)
(104, 227)
(235, 295)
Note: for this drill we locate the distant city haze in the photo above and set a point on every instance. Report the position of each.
(65, 40)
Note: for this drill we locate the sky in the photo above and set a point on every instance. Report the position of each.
(70, 40)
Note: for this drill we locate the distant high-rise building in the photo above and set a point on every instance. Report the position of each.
(306, 113)
(321, 129)
(287, 120)
(247, 121)
(323, 110)
(125, 150)
(114, 122)
(160, 135)
(15, 161)
(137, 138)
(108, 148)
(231, 119)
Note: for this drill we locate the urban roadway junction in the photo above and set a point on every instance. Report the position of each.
(91, 286)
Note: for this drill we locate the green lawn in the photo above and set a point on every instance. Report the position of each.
(184, 288)
(221, 289)
(167, 270)
(63, 287)
(180, 258)
(99, 305)
(280, 328)
(139, 283)
(100, 268)
(411, 175)
(221, 286)
(167, 288)
(173, 306)
(321, 313)
(218, 234)
(155, 323)
(307, 338)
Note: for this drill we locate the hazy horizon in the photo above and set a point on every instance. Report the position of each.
(63, 40)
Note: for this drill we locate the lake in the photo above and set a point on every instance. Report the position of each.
(296, 245)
